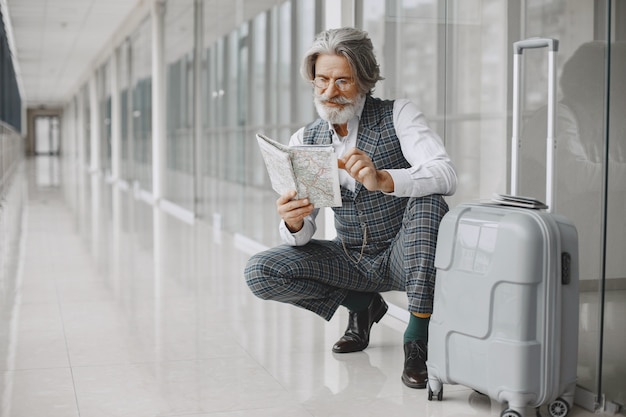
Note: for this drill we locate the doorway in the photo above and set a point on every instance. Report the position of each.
(47, 135)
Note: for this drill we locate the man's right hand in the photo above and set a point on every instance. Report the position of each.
(293, 211)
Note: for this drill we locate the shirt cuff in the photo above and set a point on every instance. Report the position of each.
(299, 238)
(402, 182)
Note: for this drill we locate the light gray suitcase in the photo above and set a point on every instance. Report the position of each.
(505, 319)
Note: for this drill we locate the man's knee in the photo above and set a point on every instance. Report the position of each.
(428, 208)
(423, 216)
(257, 275)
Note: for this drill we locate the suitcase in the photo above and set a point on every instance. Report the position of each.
(505, 318)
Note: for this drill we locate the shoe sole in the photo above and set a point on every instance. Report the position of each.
(414, 386)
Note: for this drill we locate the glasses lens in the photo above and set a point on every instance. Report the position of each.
(342, 85)
(320, 83)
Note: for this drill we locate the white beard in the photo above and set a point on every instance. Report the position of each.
(337, 115)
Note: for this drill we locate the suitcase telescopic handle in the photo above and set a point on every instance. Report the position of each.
(518, 49)
(552, 44)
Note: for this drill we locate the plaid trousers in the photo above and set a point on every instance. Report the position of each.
(318, 275)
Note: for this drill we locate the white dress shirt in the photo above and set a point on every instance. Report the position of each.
(431, 171)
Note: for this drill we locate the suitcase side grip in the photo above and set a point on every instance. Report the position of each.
(566, 268)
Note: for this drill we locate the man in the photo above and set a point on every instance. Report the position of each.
(395, 170)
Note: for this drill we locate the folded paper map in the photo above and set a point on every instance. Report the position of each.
(311, 170)
(517, 201)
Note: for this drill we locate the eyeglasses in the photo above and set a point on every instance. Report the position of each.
(342, 84)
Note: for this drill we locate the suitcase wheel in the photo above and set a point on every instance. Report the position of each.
(431, 394)
(510, 413)
(558, 408)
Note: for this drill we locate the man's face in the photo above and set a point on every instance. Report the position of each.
(332, 103)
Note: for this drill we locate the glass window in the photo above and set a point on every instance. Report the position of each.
(259, 70)
(259, 102)
(304, 31)
(228, 145)
(285, 63)
(590, 149)
(179, 79)
(250, 82)
(86, 110)
(104, 100)
(123, 71)
(141, 96)
(454, 59)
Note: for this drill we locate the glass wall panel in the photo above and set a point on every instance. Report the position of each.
(305, 29)
(104, 100)
(85, 135)
(259, 103)
(85, 181)
(10, 99)
(580, 140)
(230, 158)
(259, 70)
(614, 363)
(454, 58)
(123, 77)
(214, 107)
(179, 76)
(250, 82)
(285, 62)
(235, 68)
(477, 91)
(69, 146)
(141, 96)
(590, 156)
(455, 73)
(405, 37)
(211, 100)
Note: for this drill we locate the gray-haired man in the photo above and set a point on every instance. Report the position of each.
(395, 171)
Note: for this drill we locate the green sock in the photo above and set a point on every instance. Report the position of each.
(417, 329)
(357, 301)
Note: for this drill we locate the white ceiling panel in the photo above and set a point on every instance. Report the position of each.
(56, 42)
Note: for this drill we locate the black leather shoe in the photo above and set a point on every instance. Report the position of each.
(357, 335)
(415, 374)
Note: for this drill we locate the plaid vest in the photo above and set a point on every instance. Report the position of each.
(363, 212)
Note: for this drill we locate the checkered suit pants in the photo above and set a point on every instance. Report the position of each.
(318, 275)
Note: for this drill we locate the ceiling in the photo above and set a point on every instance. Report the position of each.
(57, 43)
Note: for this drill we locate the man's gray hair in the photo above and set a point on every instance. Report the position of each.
(355, 46)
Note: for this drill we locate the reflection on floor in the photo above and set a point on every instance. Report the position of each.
(110, 317)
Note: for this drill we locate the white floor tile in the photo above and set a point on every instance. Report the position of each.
(177, 388)
(38, 392)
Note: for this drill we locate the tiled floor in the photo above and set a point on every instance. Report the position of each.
(97, 328)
